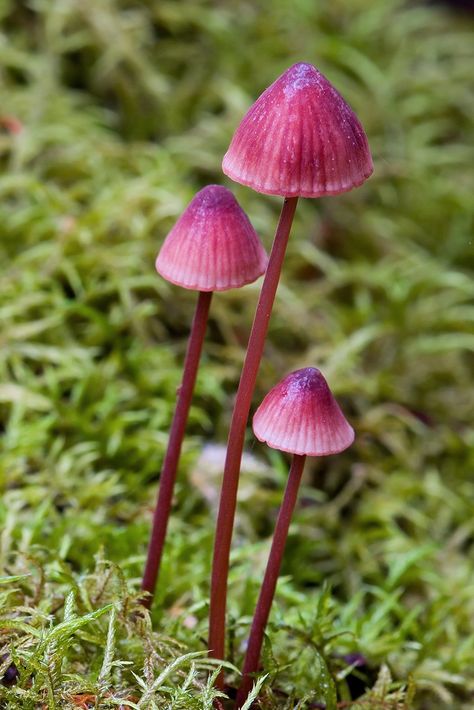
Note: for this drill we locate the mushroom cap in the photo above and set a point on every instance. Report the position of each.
(299, 138)
(300, 416)
(212, 246)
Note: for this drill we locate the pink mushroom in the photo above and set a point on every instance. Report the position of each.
(299, 416)
(212, 247)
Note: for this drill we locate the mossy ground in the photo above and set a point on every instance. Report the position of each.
(114, 112)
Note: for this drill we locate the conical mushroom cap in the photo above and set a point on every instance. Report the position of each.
(300, 416)
(299, 138)
(212, 246)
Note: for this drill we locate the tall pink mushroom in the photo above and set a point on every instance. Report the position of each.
(300, 138)
(299, 416)
(212, 247)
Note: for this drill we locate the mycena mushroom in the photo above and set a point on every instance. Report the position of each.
(299, 416)
(212, 247)
(300, 138)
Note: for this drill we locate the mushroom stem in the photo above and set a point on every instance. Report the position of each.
(235, 444)
(170, 464)
(267, 591)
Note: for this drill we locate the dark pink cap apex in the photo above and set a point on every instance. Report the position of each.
(300, 416)
(212, 246)
(300, 138)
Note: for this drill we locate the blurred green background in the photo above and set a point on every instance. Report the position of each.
(113, 113)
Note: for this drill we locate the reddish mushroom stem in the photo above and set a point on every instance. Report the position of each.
(267, 591)
(170, 464)
(235, 444)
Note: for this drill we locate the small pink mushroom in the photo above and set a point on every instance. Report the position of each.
(300, 416)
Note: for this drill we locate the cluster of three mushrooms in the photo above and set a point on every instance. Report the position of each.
(300, 138)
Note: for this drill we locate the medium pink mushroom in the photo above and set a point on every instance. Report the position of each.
(212, 247)
(299, 416)
(300, 138)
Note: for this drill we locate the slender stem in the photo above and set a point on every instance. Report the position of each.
(235, 444)
(267, 591)
(170, 464)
